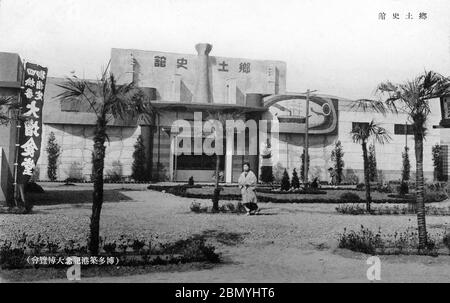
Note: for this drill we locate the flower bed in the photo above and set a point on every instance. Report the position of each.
(16, 252)
(360, 209)
(429, 197)
(232, 193)
(300, 191)
(404, 243)
(238, 208)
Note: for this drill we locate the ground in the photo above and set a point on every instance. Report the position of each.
(286, 243)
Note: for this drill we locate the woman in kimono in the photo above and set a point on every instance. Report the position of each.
(247, 185)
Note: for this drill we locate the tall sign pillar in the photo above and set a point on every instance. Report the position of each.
(202, 90)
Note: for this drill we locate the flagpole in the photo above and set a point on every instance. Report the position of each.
(306, 152)
(17, 144)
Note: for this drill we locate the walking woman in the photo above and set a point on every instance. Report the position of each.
(247, 185)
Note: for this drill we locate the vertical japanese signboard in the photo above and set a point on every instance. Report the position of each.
(30, 135)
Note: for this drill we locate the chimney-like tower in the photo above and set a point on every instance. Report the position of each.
(202, 89)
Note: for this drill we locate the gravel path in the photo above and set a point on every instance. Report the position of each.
(286, 243)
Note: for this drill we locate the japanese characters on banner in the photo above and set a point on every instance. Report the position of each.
(30, 136)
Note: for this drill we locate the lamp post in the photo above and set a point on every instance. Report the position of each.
(305, 177)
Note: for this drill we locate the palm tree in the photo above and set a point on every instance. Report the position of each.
(107, 100)
(361, 134)
(412, 97)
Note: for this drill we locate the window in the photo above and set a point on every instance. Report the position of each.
(399, 129)
(359, 125)
(199, 162)
(71, 105)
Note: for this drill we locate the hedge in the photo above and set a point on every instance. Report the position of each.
(181, 191)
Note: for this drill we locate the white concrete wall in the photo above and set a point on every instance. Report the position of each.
(76, 142)
(175, 84)
(389, 156)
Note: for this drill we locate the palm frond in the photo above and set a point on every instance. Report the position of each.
(8, 105)
(378, 133)
(75, 89)
(369, 105)
(363, 132)
(126, 101)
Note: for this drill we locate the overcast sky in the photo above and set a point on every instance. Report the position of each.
(336, 47)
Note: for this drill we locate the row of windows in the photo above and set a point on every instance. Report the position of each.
(199, 162)
(399, 129)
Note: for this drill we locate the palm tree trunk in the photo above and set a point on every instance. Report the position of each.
(216, 186)
(420, 205)
(366, 176)
(97, 201)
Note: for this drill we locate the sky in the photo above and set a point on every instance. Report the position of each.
(336, 47)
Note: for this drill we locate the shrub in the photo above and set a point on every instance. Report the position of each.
(337, 156)
(446, 241)
(75, 172)
(12, 258)
(139, 167)
(227, 207)
(114, 174)
(295, 183)
(278, 172)
(406, 166)
(134, 251)
(197, 207)
(137, 244)
(386, 188)
(36, 174)
(303, 191)
(350, 197)
(358, 209)
(285, 182)
(315, 184)
(109, 248)
(53, 153)
(364, 240)
(351, 209)
(369, 242)
(438, 163)
(224, 208)
(403, 188)
(435, 197)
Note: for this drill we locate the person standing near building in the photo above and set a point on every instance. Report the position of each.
(247, 185)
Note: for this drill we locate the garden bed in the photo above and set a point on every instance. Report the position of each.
(233, 208)
(360, 209)
(399, 243)
(233, 193)
(36, 251)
